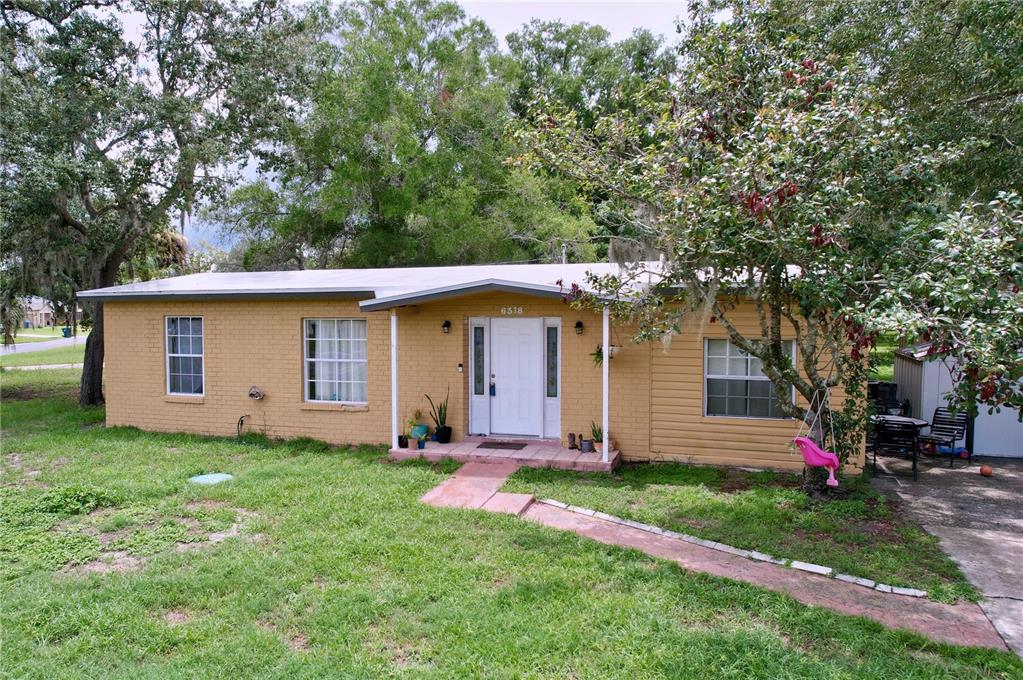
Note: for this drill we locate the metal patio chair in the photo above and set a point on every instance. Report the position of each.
(946, 429)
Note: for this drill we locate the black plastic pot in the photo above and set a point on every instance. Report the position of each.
(402, 441)
(586, 446)
(444, 434)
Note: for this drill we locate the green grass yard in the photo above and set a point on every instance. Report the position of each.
(884, 358)
(28, 335)
(72, 354)
(330, 567)
(861, 534)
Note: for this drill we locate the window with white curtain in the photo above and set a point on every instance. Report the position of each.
(735, 382)
(185, 355)
(335, 360)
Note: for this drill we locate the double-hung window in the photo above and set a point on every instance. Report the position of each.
(335, 360)
(735, 382)
(185, 355)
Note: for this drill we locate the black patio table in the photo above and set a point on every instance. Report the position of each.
(902, 421)
(920, 424)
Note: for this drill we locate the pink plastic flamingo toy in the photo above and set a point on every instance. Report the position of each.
(815, 456)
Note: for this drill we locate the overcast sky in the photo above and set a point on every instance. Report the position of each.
(620, 18)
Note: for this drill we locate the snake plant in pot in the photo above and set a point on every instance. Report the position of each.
(439, 413)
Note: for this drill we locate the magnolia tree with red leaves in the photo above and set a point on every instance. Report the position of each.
(769, 175)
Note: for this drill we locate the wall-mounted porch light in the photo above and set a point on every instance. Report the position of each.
(578, 327)
(446, 326)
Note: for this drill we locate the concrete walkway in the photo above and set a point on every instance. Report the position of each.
(476, 484)
(41, 368)
(979, 521)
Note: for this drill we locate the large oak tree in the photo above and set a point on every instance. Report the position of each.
(109, 132)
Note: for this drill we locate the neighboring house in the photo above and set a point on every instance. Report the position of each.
(39, 313)
(346, 356)
(926, 380)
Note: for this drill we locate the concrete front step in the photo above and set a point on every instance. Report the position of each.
(509, 503)
(563, 459)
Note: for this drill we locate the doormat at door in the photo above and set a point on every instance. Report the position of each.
(504, 446)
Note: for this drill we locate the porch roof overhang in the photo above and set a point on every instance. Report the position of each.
(418, 296)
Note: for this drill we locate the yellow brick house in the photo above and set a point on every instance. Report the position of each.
(346, 356)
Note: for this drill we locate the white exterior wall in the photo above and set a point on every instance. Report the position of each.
(996, 434)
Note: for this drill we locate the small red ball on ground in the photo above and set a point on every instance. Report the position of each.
(986, 470)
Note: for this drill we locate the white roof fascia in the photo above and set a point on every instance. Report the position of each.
(458, 289)
(206, 294)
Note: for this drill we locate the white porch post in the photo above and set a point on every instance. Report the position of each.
(605, 366)
(394, 378)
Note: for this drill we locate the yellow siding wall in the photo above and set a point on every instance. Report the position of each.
(656, 393)
(680, 431)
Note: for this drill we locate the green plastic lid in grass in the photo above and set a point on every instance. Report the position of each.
(212, 478)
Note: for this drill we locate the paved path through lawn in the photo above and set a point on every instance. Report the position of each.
(475, 485)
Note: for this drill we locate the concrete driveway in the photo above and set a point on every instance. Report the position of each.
(979, 521)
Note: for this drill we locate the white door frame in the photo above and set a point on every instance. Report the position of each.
(480, 404)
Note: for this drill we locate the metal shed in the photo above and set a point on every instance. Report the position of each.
(925, 380)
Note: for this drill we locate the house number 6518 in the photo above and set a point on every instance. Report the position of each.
(508, 311)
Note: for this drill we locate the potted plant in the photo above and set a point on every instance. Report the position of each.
(417, 428)
(598, 436)
(421, 441)
(439, 413)
(598, 354)
(402, 441)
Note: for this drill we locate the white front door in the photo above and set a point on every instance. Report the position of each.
(516, 367)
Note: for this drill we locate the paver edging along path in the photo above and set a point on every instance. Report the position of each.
(752, 554)
(475, 486)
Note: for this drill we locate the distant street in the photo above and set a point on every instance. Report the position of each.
(28, 347)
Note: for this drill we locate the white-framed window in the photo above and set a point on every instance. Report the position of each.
(735, 384)
(479, 378)
(335, 360)
(552, 358)
(185, 365)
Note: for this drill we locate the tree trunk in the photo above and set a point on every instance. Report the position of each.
(815, 482)
(91, 391)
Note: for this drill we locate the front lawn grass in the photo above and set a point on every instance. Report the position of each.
(52, 382)
(27, 335)
(861, 534)
(883, 358)
(21, 339)
(329, 566)
(71, 354)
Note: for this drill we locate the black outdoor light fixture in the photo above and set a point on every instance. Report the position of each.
(446, 326)
(578, 327)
